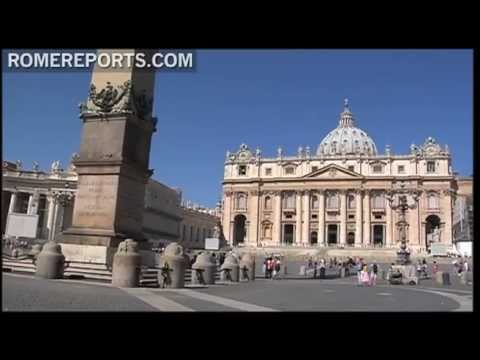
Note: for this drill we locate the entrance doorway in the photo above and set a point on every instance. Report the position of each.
(378, 235)
(313, 237)
(239, 229)
(351, 238)
(432, 229)
(332, 234)
(288, 233)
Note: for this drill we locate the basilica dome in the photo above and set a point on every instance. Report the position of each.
(347, 138)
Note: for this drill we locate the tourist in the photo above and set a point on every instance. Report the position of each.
(373, 274)
(365, 276)
(277, 266)
(465, 266)
(309, 264)
(315, 270)
(359, 272)
(390, 271)
(434, 268)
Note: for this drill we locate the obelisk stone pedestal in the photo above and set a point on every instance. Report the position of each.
(112, 165)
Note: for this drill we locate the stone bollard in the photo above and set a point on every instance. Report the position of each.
(442, 278)
(50, 261)
(35, 251)
(247, 267)
(231, 264)
(174, 258)
(127, 264)
(207, 266)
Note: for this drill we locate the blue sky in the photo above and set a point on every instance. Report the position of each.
(265, 98)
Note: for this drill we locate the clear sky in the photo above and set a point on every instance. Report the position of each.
(265, 98)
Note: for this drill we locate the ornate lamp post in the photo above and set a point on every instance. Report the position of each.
(398, 201)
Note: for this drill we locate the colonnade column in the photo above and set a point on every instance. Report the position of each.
(277, 223)
(321, 217)
(358, 218)
(13, 202)
(298, 217)
(52, 207)
(366, 219)
(306, 218)
(343, 217)
(253, 214)
(389, 227)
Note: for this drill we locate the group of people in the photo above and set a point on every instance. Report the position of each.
(271, 267)
(366, 275)
(460, 266)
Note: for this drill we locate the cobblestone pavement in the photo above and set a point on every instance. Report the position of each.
(25, 293)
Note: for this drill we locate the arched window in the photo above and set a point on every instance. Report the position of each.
(267, 230)
(268, 203)
(351, 201)
(314, 202)
(378, 201)
(289, 200)
(334, 147)
(332, 201)
(432, 201)
(241, 201)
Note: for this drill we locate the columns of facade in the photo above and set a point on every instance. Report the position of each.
(253, 217)
(388, 230)
(227, 216)
(358, 218)
(306, 218)
(277, 223)
(343, 217)
(13, 202)
(414, 226)
(321, 217)
(366, 219)
(446, 237)
(298, 217)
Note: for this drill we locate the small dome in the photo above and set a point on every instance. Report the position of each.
(347, 138)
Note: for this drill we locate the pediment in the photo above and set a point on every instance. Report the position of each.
(333, 171)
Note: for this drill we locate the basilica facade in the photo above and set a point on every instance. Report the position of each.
(344, 194)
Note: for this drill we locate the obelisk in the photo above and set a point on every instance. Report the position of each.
(112, 164)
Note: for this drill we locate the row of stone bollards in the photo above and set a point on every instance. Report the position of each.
(127, 266)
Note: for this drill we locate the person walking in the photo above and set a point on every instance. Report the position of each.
(277, 267)
(373, 274)
(365, 276)
(434, 268)
(359, 273)
(315, 270)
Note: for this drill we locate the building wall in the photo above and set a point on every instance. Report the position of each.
(162, 218)
(195, 227)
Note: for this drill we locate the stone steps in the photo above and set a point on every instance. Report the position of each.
(18, 266)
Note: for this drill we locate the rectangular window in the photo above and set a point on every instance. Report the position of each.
(314, 168)
(430, 166)
(314, 216)
(242, 170)
(289, 170)
(351, 168)
(401, 169)
(377, 169)
(288, 216)
(268, 171)
(351, 217)
(378, 217)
